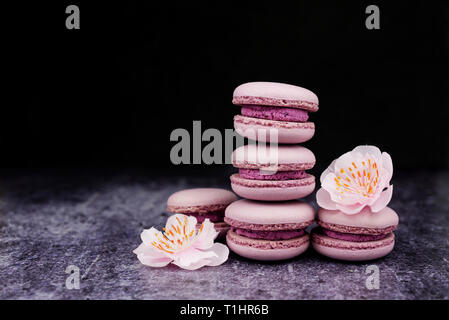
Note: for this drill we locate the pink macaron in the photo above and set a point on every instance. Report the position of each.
(203, 203)
(359, 237)
(268, 231)
(272, 109)
(273, 173)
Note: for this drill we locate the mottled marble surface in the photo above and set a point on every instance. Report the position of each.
(93, 221)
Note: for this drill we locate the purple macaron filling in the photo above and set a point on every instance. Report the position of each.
(256, 174)
(269, 235)
(212, 216)
(275, 113)
(351, 236)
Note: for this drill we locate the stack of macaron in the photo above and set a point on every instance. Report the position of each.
(203, 203)
(272, 113)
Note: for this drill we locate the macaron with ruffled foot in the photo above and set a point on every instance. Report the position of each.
(363, 236)
(268, 231)
(272, 108)
(273, 173)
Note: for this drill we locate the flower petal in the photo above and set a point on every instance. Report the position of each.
(151, 257)
(149, 235)
(194, 266)
(206, 236)
(387, 165)
(191, 224)
(193, 258)
(345, 161)
(350, 209)
(366, 149)
(149, 261)
(175, 219)
(383, 200)
(142, 249)
(222, 253)
(324, 200)
(329, 183)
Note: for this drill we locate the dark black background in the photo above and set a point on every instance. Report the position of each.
(109, 94)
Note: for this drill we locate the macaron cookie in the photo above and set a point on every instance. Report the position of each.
(268, 231)
(272, 173)
(359, 237)
(270, 108)
(203, 203)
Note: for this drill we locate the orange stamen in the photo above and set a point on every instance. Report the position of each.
(168, 251)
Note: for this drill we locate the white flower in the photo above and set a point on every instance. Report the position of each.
(182, 244)
(357, 179)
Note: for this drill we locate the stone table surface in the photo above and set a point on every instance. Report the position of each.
(49, 222)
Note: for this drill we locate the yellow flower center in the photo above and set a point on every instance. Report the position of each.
(359, 178)
(176, 237)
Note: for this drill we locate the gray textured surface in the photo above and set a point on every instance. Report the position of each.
(94, 222)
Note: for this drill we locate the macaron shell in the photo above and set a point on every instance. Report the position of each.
(352, 251)
(267, 254)
(254, 156)
(349, 255)
(254, 212)
(385, 218)
(263, 130)
(356, 230)
(275, 94)
(273, 190)
(201, 197)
